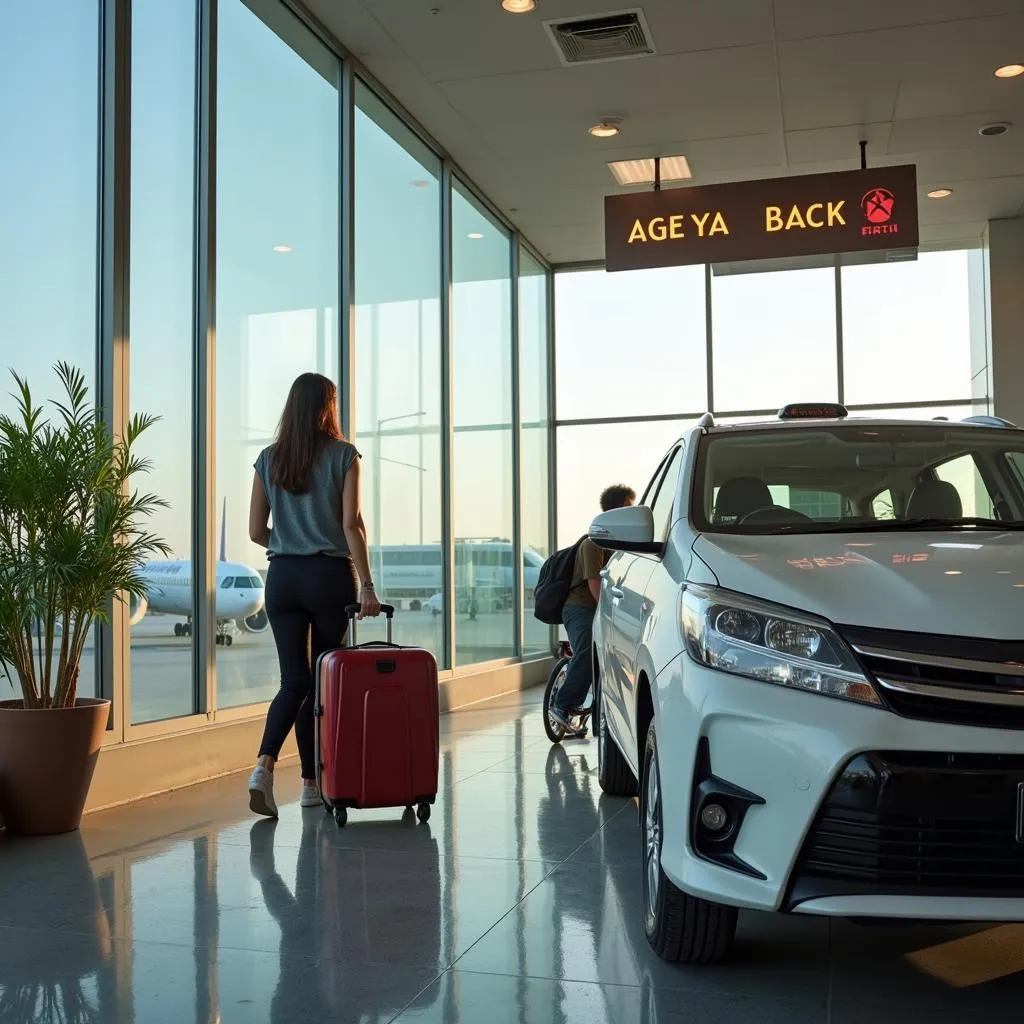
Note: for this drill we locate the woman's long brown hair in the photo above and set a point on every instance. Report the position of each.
(308, 423)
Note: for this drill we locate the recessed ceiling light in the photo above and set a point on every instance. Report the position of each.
(282, 248)
(1009, 71)
(641, 172)
(940, 193)
(474, 234)
(605, 129)
(995, 128)
(519, 6)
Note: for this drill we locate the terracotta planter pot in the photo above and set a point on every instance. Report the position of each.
(46, 763)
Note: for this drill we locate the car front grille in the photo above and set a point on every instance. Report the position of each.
(917, 824)
(961, 681)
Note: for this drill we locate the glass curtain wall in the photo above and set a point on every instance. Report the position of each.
(639, 356)
(482, 459)
(433, 347)
(49, 123)
(278, 272)
(397, 340)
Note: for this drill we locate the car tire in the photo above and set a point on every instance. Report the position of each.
(614, 775)
(680, 928)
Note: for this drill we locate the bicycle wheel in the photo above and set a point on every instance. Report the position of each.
(553, 729)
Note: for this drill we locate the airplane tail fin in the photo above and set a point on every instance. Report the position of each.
(223, 532)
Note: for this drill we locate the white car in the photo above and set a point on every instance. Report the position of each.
(809, 661)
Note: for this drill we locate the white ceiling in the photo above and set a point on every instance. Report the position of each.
(743, 88)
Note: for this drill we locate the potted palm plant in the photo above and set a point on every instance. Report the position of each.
(71, 539)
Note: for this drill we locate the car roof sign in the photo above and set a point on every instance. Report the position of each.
(813, 411)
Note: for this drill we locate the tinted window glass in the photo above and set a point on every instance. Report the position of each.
(798, 480)
(665, 499)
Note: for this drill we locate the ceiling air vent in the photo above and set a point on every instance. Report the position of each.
(617, 36)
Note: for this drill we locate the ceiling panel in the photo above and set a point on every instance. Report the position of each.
(803, 19)
(456, 43)
(703, 86)
(950, 134)
(745, 88)
(817, 145)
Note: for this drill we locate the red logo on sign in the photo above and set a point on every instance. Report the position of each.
(878, 206)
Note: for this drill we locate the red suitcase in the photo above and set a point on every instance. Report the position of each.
(378, 725)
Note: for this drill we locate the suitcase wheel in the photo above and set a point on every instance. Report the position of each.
(340, 816)
(423, 811)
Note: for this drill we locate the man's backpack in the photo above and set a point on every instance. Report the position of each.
(553, 584)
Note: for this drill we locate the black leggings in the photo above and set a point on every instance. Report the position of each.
(306, 599)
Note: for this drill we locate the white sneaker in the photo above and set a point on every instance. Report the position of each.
(310, 795)
(261, 792)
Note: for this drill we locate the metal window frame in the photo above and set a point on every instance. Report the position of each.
(447, 426)
(552, 432)
(204, 365)
(113, 238)
(709, 347)
(519, 595)
(724, 414)
(840, 360)
(112, 350)
(346, 254)
(368, 78)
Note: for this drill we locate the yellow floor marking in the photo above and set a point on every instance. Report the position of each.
(974, 959)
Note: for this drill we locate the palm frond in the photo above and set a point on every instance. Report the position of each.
(72, 532)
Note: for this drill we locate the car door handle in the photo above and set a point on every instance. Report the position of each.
(616, 592)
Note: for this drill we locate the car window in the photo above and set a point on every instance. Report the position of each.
(665, 498)
(882, 505)
(975, 496)
(652, 488)
(820, 478)
(1016, 463)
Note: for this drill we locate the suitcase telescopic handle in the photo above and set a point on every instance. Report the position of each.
(352, 610)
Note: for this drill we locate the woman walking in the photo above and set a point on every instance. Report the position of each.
(308, 482)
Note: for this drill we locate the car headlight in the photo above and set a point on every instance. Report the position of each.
(747, 638)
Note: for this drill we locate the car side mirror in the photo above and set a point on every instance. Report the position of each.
(625, 529)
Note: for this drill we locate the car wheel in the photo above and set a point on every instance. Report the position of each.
(680, 928)
(613, 772)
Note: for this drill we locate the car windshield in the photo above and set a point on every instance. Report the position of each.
(860, 477)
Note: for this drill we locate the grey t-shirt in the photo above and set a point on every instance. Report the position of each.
(310, 523)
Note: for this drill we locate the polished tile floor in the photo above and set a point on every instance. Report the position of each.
(517, 904)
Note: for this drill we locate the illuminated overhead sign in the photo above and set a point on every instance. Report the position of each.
(774, 218)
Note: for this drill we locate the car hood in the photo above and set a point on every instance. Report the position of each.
(957, 583)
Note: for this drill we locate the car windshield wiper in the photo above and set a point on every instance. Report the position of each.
(905, 525)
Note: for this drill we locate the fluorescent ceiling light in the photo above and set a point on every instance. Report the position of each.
(641, 172)
(519, 6)
(474, 234)
(1009, 71)
(940, 193)
(282, 248)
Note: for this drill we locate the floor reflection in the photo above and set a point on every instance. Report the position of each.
(519, 903)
